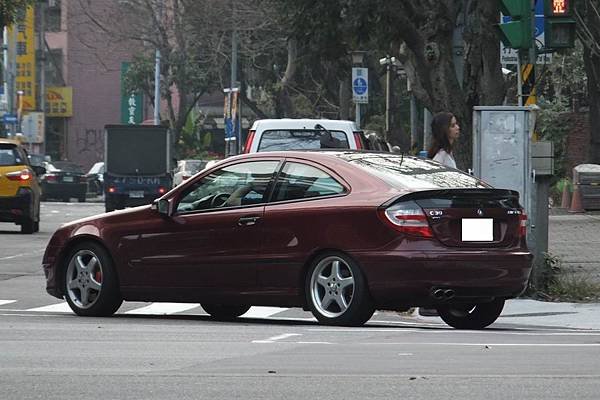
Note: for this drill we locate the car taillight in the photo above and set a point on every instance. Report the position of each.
(112, 189)
(358, 140)
(246, 148)
(23, 175)
(407, 217)
(50, 178)
(162, 190)
(523, 225)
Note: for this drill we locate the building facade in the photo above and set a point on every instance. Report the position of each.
(79, 55)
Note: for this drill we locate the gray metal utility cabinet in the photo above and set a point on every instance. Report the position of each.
(505, 157)
(501, 148)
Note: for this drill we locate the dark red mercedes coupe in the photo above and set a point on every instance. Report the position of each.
(339, 233)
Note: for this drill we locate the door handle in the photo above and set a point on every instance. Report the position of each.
(247, 221)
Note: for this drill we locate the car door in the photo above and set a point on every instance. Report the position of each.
(302, 216)
(207, 242)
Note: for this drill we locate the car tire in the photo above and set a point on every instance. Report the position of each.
(28, 226)
(36, 226)
(337, 292)
(90, 281)
(225, 311)
(81, 199)
(472, 316)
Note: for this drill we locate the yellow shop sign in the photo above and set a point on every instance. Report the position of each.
(59, 101)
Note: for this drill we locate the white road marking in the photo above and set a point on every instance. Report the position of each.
(3, 302)
(22, 255)
(275, 338)
(163, 308)
(263, 312)
(314, 342)
(458, 332)
(483, 344)
(58, 307)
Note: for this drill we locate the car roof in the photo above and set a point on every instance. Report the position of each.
(9, 141)
(331, 156)
(302, 123)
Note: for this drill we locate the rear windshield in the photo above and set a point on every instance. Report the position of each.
(194, 166)
(65, 166)
(9, 155)
(407, 172)
(302, 140)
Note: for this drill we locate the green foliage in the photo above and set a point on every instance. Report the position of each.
(552, 125)
(558, 187)
(10, 10)
(552, 282)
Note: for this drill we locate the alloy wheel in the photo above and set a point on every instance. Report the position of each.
(84, 278)
(332, 286)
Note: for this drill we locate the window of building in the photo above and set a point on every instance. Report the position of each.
(53, 15)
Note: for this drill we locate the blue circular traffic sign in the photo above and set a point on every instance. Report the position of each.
(360, 86)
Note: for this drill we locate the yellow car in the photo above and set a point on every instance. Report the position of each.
(19, 188)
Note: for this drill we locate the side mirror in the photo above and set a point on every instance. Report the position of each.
(38, 170)
(162, 206)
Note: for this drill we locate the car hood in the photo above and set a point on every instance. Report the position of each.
(116, 215)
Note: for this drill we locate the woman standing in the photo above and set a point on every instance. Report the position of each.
(445, 131)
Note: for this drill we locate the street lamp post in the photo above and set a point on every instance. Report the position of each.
(20, 94)
(390, 63)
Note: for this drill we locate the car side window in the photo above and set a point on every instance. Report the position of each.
(300, 181)
(231, 186)
(9, 155)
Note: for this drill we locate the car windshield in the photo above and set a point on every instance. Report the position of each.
(36, 159)
(194, 166)
(97, 168)
(407, 172)
(299, 140)
(9, 155)
(65, 166)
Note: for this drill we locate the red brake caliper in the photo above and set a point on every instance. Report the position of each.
(98, 276)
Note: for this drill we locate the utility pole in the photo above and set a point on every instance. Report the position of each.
(42, 69)
(157, 69)
(234, 147)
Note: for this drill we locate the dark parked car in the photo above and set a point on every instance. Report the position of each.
(63, 180)
(341, 233)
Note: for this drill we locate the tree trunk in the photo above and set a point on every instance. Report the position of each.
(592, 68)
(589, 34)
(283, 105)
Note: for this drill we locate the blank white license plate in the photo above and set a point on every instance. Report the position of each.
(67, 179)
(136, 194)
(477, 229)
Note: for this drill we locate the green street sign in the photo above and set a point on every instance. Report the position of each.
(132, 104)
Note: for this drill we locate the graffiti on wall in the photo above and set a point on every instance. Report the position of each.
(90, 144)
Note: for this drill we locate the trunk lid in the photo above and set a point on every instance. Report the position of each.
(473, 217)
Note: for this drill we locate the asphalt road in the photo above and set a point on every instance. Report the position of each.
(174, 351)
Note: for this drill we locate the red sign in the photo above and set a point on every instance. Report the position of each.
(560, 7)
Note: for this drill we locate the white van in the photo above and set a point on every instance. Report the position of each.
(303, 134)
